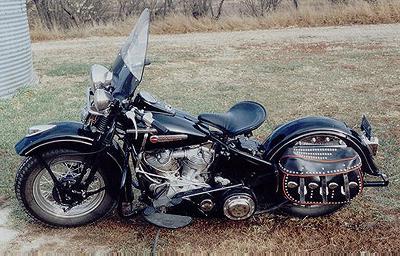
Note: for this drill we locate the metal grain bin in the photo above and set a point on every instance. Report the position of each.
(15, 47)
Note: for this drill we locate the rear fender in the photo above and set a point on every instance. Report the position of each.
(295, 130)
(70, 135)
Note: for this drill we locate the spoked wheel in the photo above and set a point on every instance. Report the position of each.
(68, 204)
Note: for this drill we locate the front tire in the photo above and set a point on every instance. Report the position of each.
(34, 190)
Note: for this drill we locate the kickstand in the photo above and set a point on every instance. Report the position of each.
(155, 243)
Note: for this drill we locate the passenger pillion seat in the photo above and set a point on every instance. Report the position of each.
(242, 118)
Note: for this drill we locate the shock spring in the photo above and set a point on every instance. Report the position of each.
(102, 124)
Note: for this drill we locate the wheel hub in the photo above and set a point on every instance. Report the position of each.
(67, 193)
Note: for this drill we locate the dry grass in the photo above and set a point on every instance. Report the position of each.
(343, 233)
(335, 72)
(308, 15)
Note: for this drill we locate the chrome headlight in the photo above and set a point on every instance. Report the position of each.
(102, 99)
(100, 76)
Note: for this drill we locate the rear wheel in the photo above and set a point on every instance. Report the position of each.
(302, 211)
(36, 191)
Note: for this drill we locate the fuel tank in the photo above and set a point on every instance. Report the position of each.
(182, 131)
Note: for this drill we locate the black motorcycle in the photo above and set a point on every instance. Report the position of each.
(138, 154)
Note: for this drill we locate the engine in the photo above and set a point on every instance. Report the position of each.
(180, 169)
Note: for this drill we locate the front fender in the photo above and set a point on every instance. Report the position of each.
(70, 135)
(290, 132)
(62, 132)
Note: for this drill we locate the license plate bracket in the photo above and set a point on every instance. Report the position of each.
(366, 128)
(368, 136)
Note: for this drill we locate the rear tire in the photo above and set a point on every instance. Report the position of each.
(39, 205)
(310, 211)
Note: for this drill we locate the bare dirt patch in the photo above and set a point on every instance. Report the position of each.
(7, 232)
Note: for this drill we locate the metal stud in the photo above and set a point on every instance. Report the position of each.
(313, 185)
(333, 185)
(292, 184)
(353, 184)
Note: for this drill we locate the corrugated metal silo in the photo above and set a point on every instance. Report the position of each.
(15, 47)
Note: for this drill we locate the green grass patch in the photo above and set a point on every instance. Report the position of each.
(69, 69)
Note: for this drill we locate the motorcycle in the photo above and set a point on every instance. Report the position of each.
(136, 153)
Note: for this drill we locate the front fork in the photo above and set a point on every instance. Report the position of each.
(126, 208)
(79, 188)
(126, 179)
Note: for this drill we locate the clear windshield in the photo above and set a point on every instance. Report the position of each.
(133, 52)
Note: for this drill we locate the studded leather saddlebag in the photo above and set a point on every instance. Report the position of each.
(321, 174)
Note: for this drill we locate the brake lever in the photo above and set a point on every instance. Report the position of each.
(147, 118)
(132, 116)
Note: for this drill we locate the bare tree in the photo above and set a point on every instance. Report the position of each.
(296, 4)
(219, 10)
(71, 13)
(259, 8)
(75, 13)
(202, 8)
(128, 8)
(168, 6)
(199, 8)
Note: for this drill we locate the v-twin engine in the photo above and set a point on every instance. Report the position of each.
(180, 169)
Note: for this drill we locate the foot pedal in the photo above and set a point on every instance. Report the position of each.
(165, 220)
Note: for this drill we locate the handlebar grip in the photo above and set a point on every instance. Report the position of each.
(159, 126)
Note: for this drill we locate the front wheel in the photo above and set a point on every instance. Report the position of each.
(35, 189)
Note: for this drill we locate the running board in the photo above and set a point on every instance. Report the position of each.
(165, 220)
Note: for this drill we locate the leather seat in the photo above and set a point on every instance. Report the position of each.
(242, 118)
